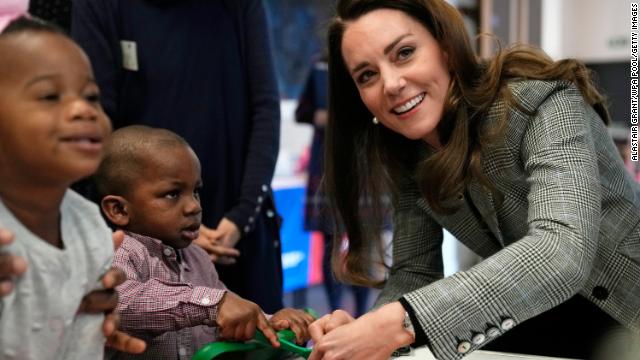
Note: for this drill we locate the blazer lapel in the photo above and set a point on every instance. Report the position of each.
(466, 227)
(485, 203)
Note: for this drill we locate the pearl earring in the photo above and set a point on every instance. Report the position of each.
(375, 121)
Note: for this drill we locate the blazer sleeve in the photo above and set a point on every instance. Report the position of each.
(94, 28)
(551, 262)
(264, 101)
(417, 247)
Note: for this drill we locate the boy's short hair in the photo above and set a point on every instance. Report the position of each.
(24, 23)
(126, 155)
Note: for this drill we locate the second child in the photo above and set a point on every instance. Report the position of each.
(150, 181)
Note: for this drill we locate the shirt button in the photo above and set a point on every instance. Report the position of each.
(206, 321)
(265, 188)
(507, 324)
(493, 332)
(260, 199)
(36, 326)
(270, 213)
(167, 252)
(257, 209)
(478, 339)
(247, 229)
(251, 219)
(276, 243)
(206, 301)
(182, 351)
(464, 347)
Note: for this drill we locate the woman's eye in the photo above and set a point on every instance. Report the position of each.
(365, 76)
(405, 53)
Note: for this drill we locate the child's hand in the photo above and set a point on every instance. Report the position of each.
(296, 320)
(10, 265)
(238, 319)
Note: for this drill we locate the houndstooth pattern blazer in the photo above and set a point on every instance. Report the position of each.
(568, 224)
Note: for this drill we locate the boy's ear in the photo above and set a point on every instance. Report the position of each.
(116, 208)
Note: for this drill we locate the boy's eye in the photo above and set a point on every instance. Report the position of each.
(93, 98)
(196, 192)
(50, 97)
(172, 194)
(405, 52)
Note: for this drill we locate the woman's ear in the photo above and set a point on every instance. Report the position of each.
(116, 209)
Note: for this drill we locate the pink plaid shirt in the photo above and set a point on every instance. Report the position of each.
(170, 297)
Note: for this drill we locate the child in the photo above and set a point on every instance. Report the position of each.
(52, 130)
(150, 182)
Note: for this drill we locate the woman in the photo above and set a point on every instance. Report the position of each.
(511, 155)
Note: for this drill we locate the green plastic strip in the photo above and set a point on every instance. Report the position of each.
(287, 342)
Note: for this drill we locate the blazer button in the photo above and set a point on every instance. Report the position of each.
(507, 324)
(478, 339)
(493, 332)
(460, 196)
(464, 347)
(600, 293)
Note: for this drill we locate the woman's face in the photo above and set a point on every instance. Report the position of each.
(400, 72)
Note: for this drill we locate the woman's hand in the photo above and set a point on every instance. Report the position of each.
(209, 240)
(296, 320)
(373, 336)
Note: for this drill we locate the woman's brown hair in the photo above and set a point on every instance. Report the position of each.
(364, 162)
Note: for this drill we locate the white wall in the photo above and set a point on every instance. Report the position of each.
(590, 30)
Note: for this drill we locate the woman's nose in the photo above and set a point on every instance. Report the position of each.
(394, 82)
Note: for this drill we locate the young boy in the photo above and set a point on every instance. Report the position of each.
(52, 130)
(150, 182)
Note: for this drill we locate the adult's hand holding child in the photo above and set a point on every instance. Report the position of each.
(105, 301)
(11, 266)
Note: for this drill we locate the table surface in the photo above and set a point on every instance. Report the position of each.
(425, 354)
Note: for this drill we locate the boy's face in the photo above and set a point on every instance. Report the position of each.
(52, 126)
(164, 201)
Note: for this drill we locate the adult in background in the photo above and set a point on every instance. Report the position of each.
(202, 69)
(511, 155)
(312, 109)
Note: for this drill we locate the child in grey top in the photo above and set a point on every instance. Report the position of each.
(51, 133)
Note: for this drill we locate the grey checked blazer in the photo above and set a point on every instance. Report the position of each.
(568, 224)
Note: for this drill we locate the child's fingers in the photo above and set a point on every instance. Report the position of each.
(268, 332)
(6, 287)
(126, 343)
(6, 237)
(99, 301)
(113, 278)
(281, 324)
(109, 324)
(118, 238)
(11, 265)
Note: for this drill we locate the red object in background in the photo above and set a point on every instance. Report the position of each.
(316, 250)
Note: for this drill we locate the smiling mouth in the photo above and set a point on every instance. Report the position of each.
(409, 105)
